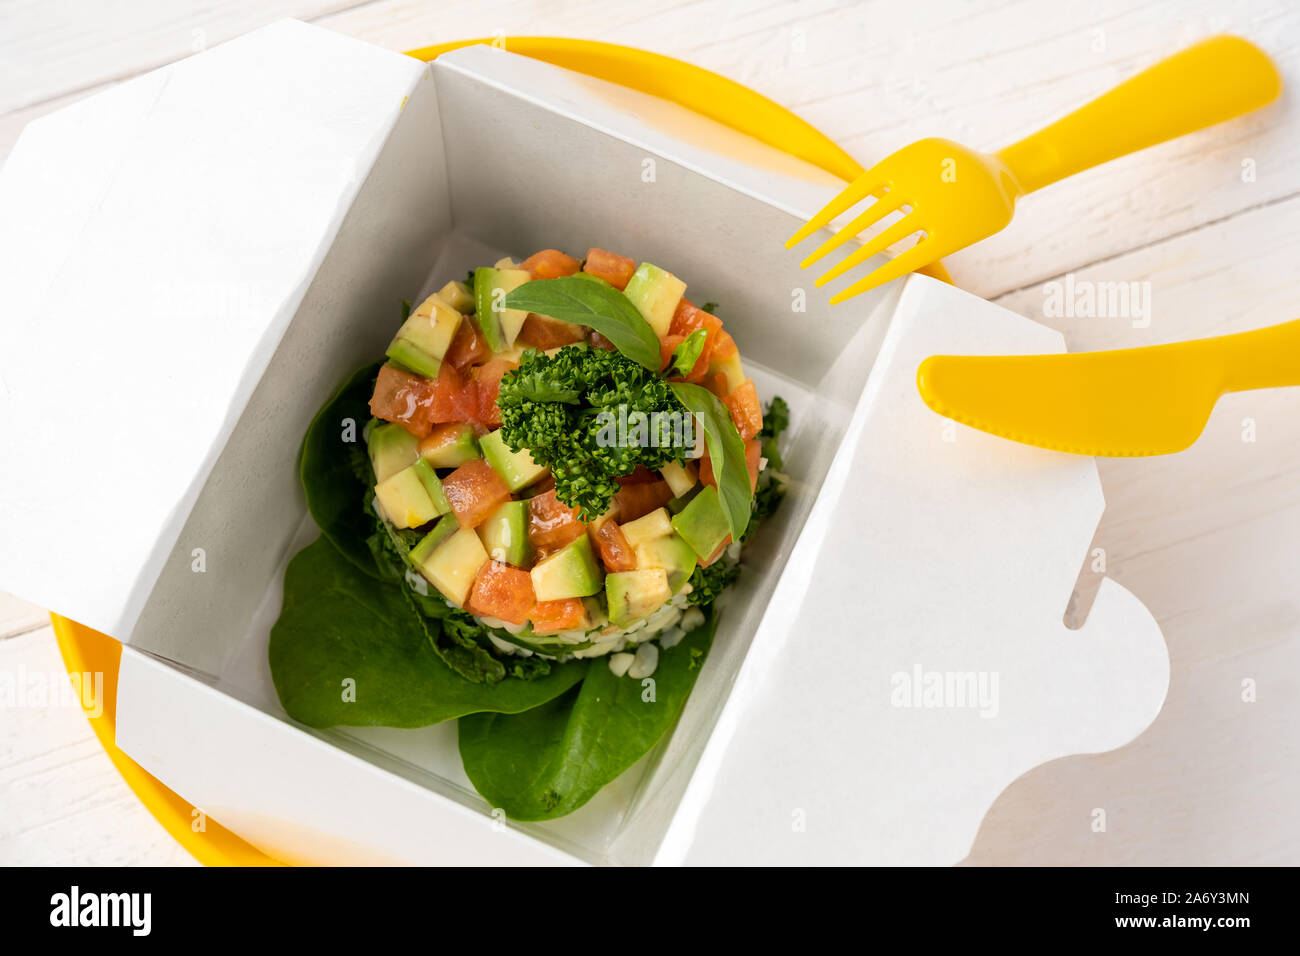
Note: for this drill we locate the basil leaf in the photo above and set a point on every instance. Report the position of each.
(338, 625)
(688, 353)
(726, 454)
(550, 760)
(593, 304)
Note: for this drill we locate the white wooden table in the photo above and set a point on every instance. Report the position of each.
(1209, 539)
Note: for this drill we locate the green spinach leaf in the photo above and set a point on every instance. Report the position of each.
(593, 304)
(549, 761)
(726, 453)
(335, 472)
(342, 634)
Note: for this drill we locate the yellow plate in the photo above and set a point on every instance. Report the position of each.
(711, 95)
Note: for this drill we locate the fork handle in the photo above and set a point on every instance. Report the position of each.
(1262, 358)
(1207, 83)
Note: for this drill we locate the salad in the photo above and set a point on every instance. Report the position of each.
(528, 512)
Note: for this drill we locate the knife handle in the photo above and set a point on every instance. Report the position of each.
(1262, 358)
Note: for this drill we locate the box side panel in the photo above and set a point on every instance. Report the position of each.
(666, 128)
(527, 178)
(915, 660)
(252, 502)
(295, 797)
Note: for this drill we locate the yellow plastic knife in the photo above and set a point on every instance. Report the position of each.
(1122, 403)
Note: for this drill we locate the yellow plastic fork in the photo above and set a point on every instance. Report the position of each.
(1121, 403)
(956, 196)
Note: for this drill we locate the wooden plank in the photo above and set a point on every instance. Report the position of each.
(19, 617)
(64, 801)
(874, 81)
(1207, 540)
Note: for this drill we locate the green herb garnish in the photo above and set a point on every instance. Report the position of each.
(708, 583)
(688, 353)
(726, 453)
(565, 409)
(595, 305)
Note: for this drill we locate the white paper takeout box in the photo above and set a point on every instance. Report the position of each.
(195, 259)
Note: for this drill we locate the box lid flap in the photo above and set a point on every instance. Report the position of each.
(157, 239)
(914, 660)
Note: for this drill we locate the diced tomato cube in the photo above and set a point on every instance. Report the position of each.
(544, 333)
(489, 387)
(474, 491)
(635, 500)
(468, 346)
(724, 347)
(503, 592)
(550, 264)
(716, 383)
(612, 546)
(404, 398)
(566, 614)
(667, 345)
(454, 399)
(551, 523)
(745, 410)
(687, 319)
(613, 268)
(639, 476)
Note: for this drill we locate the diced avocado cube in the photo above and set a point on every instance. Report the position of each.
(732, 369)
(681, 501)
(404, 499)
(454, 564)
(633, 595)
(450, 446)
(672, 554)
(391, 449)
(681, 478)
(505, 534)
(517, 468)
(429, 478)
(458, 296)
(656, 524)
(570, 572)
(596, 616)
(410, 356)
(424, 337)
(432, 326)
(499, 325)
(655, 292)
(444, 529)
(703, 523)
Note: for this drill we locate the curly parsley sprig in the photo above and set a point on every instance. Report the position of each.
(553, 405)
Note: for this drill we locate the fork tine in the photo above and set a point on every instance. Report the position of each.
(862, 187)
(882, 207)
(876, 244)
(908, 261)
